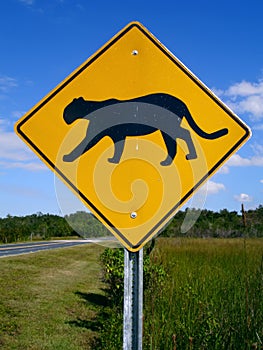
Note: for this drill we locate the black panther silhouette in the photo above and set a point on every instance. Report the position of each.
(136, 117)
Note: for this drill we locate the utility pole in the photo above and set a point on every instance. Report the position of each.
(244, 219)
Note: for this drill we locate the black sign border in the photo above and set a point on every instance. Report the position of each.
(91, 206)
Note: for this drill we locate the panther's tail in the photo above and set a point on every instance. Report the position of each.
(179, 108)
(210, 136)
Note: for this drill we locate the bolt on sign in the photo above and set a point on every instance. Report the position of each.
(133, 133)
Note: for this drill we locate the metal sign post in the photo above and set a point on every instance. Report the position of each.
(133, 300)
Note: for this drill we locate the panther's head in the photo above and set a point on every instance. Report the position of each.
(75, 110)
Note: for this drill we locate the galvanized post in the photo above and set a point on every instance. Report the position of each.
(133, 300)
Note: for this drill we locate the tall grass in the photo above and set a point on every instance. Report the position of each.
(212, 298)
(199, 294)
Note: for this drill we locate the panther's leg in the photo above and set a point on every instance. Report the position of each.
(118, 149)
(81, 148)
(171, 146)
(76, 152)
(186, 136)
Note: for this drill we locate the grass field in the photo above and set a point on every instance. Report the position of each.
(211, 297)
(45, 297)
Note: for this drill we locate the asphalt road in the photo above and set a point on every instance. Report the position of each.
(33, 247)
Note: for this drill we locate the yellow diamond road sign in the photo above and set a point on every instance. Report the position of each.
(133, 133)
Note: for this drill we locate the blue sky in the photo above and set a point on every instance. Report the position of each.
(43, 41)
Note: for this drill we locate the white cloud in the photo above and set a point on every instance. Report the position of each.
(224, 170)
(245, 97)
(15, 154)
(237, 160)
(27, 2)
(258, 127)
(243, 197)
(257, 148)
(218, 92)
(11, 147)
(212, 187)
(251, 104)
(245, 88)
(7, 83)
(17, 114)
(261, 181)
(31, 166)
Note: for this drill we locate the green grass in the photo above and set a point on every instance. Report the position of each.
(46, 299)
(213, 296)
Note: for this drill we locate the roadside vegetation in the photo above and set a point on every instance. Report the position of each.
(203, 289)
(208, 224)
(47, 299)
(222, 224)
(200, 294)
(45, 226)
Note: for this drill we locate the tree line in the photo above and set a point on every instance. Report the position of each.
(189, 222)
(222, 224)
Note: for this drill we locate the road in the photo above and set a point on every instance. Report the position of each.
(33, 247)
